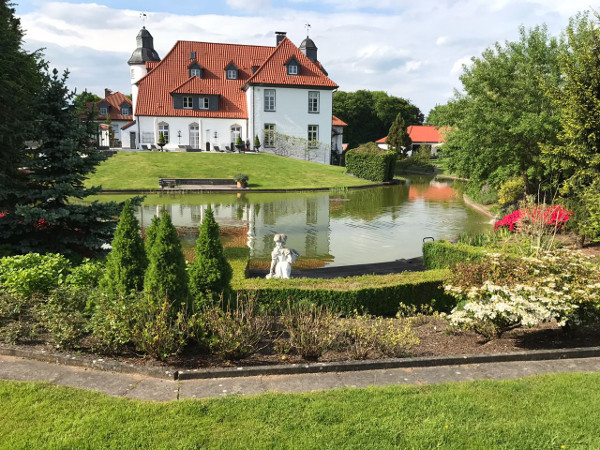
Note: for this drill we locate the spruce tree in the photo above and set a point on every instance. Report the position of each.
(127, 262)
(210, 272)
(166, 276)
(42, 215)
(398, 138)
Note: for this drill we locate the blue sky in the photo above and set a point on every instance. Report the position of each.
(411, 49)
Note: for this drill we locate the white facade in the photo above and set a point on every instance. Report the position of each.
(292, 118)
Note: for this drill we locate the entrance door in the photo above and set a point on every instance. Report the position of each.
(132, 143)
(207, 140)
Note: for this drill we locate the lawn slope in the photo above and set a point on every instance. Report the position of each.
(542, 412)
(141, 170)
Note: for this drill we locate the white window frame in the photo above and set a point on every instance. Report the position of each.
(292, 69)
(270, 100)
(204, 103)
(232, 74)
(147, 137)
(163, 127)
(313, 136)
(314, 102)
(125, 111)
(190, 102)
(269, 135)
(236, 130)
(195, 72)
(103, 110)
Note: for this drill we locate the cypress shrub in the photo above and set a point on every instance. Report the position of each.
(210, 274)
(151, 234)
(371, 163)
(166, 276)
(127, 262)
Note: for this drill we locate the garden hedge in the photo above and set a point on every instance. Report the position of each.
(371, 163)
(443, 254)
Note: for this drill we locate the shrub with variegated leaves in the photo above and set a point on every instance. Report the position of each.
(502, 293)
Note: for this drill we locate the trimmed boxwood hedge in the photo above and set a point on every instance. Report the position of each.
(443, 254)
(371, 163)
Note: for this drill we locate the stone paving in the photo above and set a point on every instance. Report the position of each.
(154, 389)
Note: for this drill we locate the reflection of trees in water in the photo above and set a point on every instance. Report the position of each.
(369, 204)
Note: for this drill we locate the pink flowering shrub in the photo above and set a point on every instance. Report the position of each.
(554, 216)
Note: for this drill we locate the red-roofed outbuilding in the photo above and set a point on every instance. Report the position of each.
(421, 135)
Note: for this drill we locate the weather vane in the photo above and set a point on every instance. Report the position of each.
(143, 16)
(307, 26)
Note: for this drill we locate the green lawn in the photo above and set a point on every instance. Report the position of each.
(542, 412)
(141, 170)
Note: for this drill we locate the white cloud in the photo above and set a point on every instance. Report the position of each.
(410, 49)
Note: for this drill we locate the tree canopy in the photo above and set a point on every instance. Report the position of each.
(370, 114)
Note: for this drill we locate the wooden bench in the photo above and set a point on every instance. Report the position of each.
(174, 182)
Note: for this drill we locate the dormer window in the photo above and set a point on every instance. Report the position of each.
(188, 102)
(195, 70)
(103, 110)
(125, 109)
(231, 71)
(293, 66)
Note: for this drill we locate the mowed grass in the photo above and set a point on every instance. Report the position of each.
(542, 412)
(141, 170)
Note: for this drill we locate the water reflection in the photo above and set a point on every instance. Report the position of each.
(349, 227)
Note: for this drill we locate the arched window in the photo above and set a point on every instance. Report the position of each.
(236, 131)
(194, 135)
(163, 127)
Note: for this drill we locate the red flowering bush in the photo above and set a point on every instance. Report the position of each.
(554, 216)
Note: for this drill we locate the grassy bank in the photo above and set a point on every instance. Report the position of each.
(549, 411)
(141, 170)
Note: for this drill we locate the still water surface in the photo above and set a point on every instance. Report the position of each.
(339, 228)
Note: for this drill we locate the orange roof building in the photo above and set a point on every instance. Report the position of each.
(203, 96)
(421, 135)
(119, 109)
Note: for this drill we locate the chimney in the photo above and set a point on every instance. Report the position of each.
(279, 35)
(107, 92)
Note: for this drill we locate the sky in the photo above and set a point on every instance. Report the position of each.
(412, 49)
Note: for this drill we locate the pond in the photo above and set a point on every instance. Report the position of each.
(332, 228)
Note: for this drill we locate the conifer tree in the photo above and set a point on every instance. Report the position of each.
(210, 272)
(398, 138)
(42, 215)
(127, 262)
(151, 234)
(166, 276)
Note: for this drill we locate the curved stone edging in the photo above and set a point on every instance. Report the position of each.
(290, 369)
(482, 209)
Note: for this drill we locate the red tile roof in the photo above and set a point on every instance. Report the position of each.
(422, 133)
(115, 100)
(128, 124)
(338, 122)
(274, 69)
(171, 75)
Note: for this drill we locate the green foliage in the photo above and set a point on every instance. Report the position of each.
(414, 165)
(235, 333)
(497, 125)
(589, 225)
(370, 114)
(511, 191)
(18, 318)
(443, 254)
(166, 276)
(24, 275)
(151, 234)
(160, 328)
(256, 141)
(20, 88)
(371, 163)
(375, 294)
(87, 274)
(210, 273)
(241, 178)
(83, 100)
(161, 139)
(112, 320)
(398, 139)
(127, 262)
(63, 315)
(40, 215)
(239, 141)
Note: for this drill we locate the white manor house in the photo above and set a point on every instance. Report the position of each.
(201, 96)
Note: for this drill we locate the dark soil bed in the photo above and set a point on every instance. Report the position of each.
(433, 334)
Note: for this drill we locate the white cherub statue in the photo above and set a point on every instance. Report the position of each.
(282, 258)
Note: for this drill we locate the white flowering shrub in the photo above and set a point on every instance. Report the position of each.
(503, 293)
